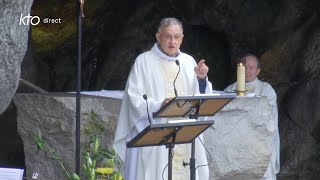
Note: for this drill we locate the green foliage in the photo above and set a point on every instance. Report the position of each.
(51, 153)
(99, 161)
(48, 40)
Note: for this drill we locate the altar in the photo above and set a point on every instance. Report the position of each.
(239, 142)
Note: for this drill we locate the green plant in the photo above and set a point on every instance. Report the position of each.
(51, 153)
(99, 161)
(95, 155)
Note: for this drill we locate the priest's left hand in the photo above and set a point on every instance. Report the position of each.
(201, 69)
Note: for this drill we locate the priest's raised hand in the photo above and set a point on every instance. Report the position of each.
(201, 69)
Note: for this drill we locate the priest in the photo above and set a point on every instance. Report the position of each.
(259, 88)
(154, 75)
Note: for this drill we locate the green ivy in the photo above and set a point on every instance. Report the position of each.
(99, 161)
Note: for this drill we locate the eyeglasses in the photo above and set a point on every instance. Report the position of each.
(176, 37)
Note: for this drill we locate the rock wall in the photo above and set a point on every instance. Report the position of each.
(239, 141)
(13, 46)
(296, 79)
(284, 34)
(54, 117)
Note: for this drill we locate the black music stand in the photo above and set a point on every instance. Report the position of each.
(186, 106)
(169, 134)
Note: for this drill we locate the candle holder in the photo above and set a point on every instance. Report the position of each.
(241, 93)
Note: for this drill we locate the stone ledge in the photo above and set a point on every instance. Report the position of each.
(239, 141)
(54, 115)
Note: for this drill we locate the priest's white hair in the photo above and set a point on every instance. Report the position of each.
(169, 21)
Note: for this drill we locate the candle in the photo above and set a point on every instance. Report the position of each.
(241, 84)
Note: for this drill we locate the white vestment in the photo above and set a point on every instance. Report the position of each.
(260, 88)
(149, 75)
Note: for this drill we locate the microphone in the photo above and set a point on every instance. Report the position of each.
(145, 97)
(174, 82)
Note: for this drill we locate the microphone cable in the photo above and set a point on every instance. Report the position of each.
(208, 154)
(163, 171)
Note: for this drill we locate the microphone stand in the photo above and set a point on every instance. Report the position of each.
(145, 97)
(193, 150)
(192, 162)
(174, 83)
(169, 145)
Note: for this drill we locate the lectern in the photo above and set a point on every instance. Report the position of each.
(180, 131)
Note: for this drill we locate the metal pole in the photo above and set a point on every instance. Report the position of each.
(193, 162)
(78, 84)
(170, 156)
(170, 163)
(193, 150)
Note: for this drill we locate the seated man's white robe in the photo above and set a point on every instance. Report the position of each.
(148, 77)
(260, 88)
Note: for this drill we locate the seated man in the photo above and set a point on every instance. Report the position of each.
(254, 85)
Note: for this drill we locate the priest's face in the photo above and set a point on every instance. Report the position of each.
(170, 39)
(252, 69)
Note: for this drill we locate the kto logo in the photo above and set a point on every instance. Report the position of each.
(27, 20)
